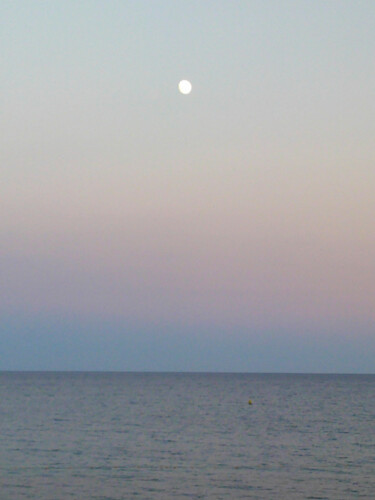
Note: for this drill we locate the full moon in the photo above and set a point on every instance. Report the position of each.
(184, 87)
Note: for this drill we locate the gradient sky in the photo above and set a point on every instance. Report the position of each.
(228, 230)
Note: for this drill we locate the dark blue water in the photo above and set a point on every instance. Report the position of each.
(174, 436)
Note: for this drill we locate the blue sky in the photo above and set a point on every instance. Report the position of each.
(227, 230)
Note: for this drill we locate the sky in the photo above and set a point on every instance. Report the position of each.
(231, 229)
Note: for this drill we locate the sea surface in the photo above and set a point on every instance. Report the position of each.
(186, 436)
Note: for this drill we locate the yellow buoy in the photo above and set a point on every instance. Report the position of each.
(250, 402)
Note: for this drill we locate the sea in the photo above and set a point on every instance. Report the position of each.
(113, 436)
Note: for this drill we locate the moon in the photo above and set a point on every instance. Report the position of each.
(184, 87)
